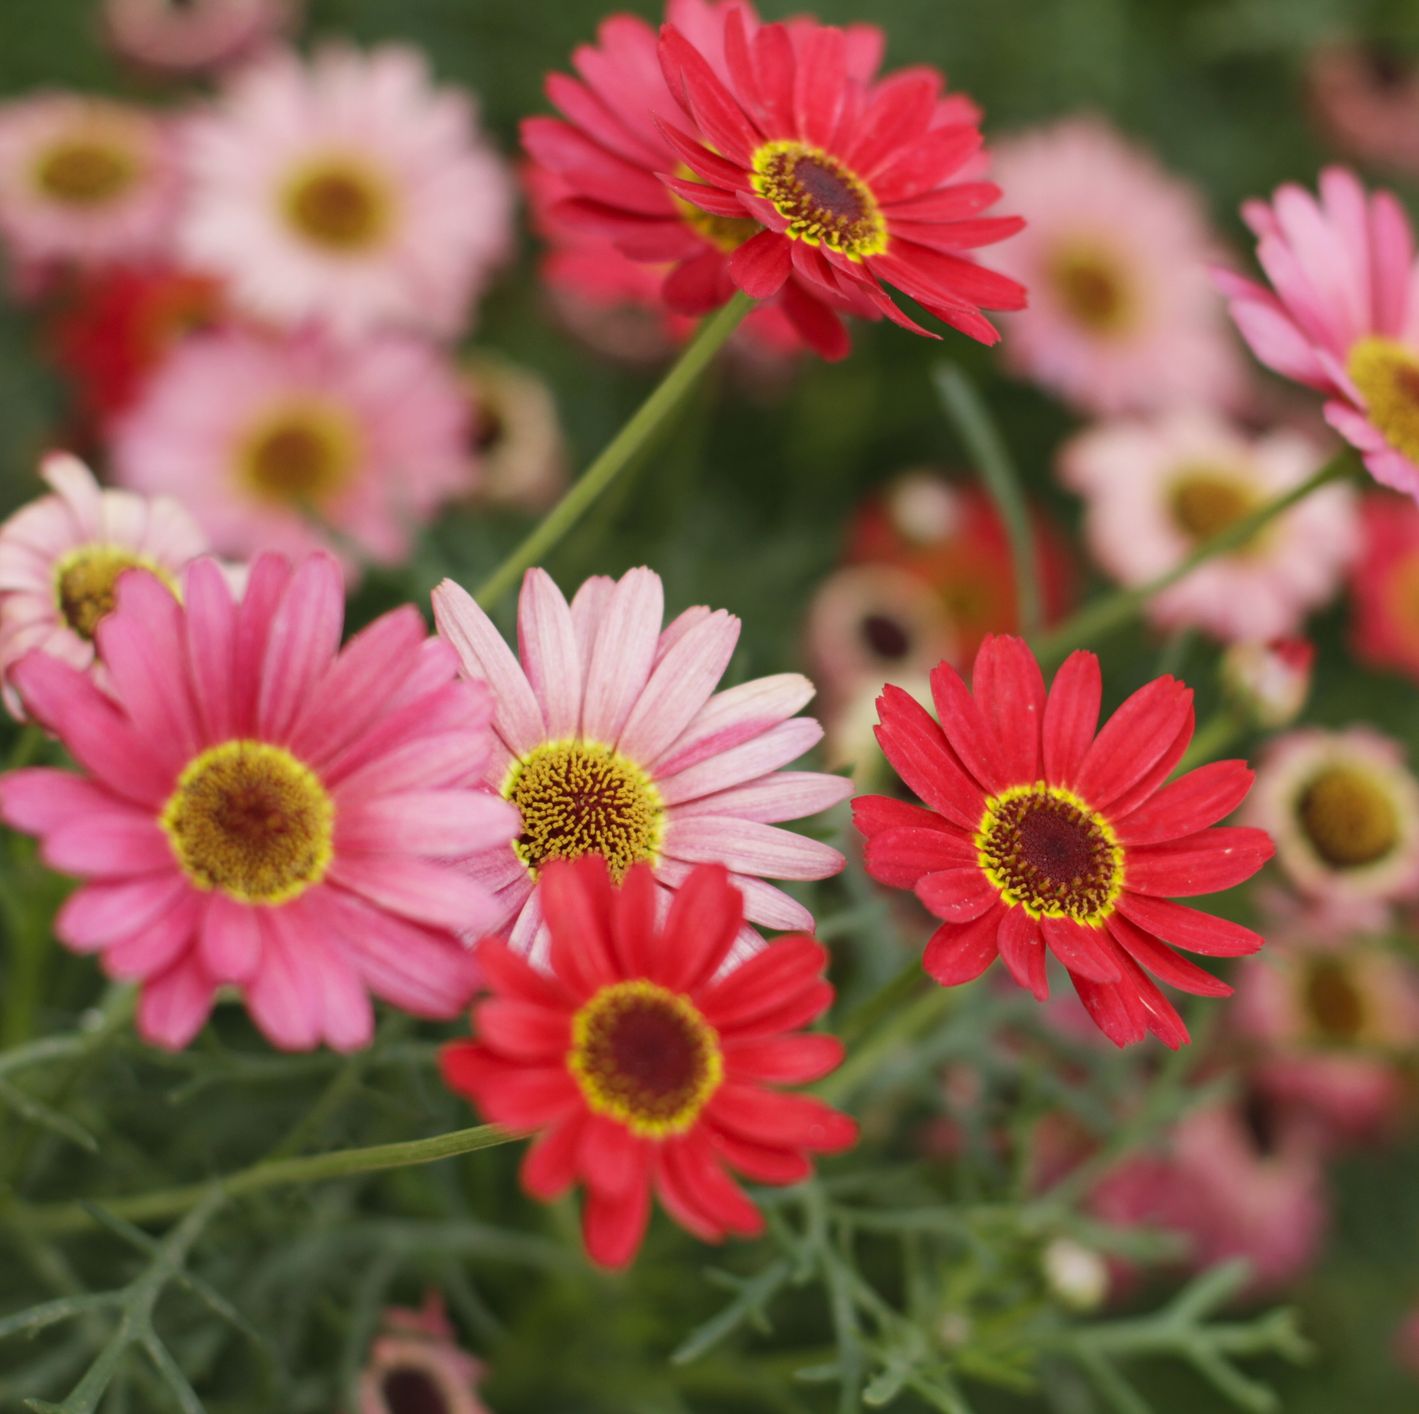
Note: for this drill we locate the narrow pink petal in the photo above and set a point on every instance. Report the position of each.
(429, 822)
(283, 996)
(230, 939)
(99, 914)
(302, 640)
(622, 654)
(734, 716)
(154, 947)
(782, 795)
(210, 640)
(747, 847)
(746, 762)
(108, 844)
(39, 799)
(437, 895)
(175, 1006)
(547, 643)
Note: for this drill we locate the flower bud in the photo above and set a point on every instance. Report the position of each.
(1269, 682)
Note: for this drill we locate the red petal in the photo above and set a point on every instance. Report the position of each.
(917, 749)
(786, 1060)
(1146, 787)
(1023, 951)
(900, 109)
(1204, 863)
(549, 1166)
(1085, 951)
(957, 895)
(761, 265)
(960, 953)
(522, 1031)
(715, 110)
(1113, 1010)
(610, 1158)
(1071, 716)
(819, 83)
(965, 728)
(798, 1121)
(613, 1227)
(1010, 689)
(1163, 962)
(698, 285)
(1189, 928)
(1132, 740)
(786, 971)
(899, 858)
(909, 170)
(590, 169)
(875, 813)
(700, 930)
(1190, 803)
(576, 899)
(696, 1172)
(817, 325)
(762, 1163)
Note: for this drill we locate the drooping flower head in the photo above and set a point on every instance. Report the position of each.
(613, 741)
(416, 1366)
(258, 808)
(61, 557)
(517, 434)
(1154, 491)
(270, 440)
(1269, 683)
(193, 36)
(84, 180)
(1122, 315)
(349, 190)
(1041, 833)
(1341, 314)
(644, 1065)
(1384, 585)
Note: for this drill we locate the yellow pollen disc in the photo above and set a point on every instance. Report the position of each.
(87, 171)
(580, 797)
(1349, 817)
(646, 1057)
(302, 452)
(1335, 1006)
(249, 819)
(1387, 377)
(824, 202)
(726, 233)
(1092, 287)
(1206, 500)
(85, 581)
(1050, 854)
(340, 204)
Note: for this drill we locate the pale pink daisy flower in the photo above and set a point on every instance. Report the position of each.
(416, 1366)
(613, 741)
(1342, 313)
(348, 189)
(1115, 253)
(261, 809)
(61, 556)
(1156, 490)
(287, 443)
(85, 180)
(193, 36)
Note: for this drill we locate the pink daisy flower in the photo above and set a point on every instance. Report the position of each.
(348, 189)
(61, 556)
(258, 808)
(1155, 491)
(416, 1366)
(193, 36)
(1365, 100)
(1114, 252)
(1384, 586)
(1269, 682)
(613, 741)
(1341, 314)
(274, 443)
(84, 180)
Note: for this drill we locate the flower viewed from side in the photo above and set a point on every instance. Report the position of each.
(193, 36)
(613, 741)
(644, 1065)
(84, 180)
(416, 1366)
(61, 557)
(1343, 808)
(1269, 683)
(260, 809)
(1365, 100)
(1122, 316)
(1154, 491)
(1341, 314)
(517, 435)
(270, 440)
(1384, 585)
(1041, 833)
(349, 190)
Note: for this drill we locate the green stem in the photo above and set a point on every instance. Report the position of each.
(621, 451)
(274, 1173)
(902, 1024)
(1119, 608)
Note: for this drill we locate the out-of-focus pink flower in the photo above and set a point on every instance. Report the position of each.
(1115, 249)
(1366, 102)
(517, 435)
(1406, 1343)
(349, 190)
(1384, 585)
(1269, 683)
(193, 36)
(274, 443)
(1155, 491)
(416, 1366)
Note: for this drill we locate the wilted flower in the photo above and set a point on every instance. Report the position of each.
(1269, 683)
(1384, 585)
(518, 444)
(416, 1366)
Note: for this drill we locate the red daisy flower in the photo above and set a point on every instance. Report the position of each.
(857, 182)
(1042, 833)
(643, 1067)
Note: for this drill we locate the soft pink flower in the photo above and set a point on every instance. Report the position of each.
(1366, 102)
(1269, 682)
(613, 741)
(1406, 1343)
(270, 441)
(417, 1367)
(1156, 490)
(1384, 585)
(84, 180)
(1122, 317)
(517, 433)
(348, 189)
(61, 556)
(259, 808)
(1341, 314)
(193, 36)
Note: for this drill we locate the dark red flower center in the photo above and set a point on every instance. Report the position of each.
(823, 201)
(1349, 817)
(887, 637)
(411, 1391)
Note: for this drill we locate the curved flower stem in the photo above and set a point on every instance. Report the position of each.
(1118, 608)
(622, 449)
(274, 1173)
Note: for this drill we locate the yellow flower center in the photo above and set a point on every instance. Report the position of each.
(1349, 817)
(304, 452)
(1092, 288)
(85, 171)
(86, 579)
(1050, 854)
(249, 819)
(823, 201)
(1334, 1005)
(340, 204)
(580, 797)
(726, 233)
(645, 1056)
(1205, 501)
(1387, 376)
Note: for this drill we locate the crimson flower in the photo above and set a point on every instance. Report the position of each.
(1042, 833)
(644, 1066)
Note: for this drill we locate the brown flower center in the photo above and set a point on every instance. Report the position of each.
(1387, 376)
(1334, 1004)
(824, 202)
(1092, 289)
(303, 452)
(340, 204)
(86, 581)
(1349, 817)
(1205, 501)
(85, 171)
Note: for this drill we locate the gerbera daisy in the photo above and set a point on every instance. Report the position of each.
(272, 442)
(416, 1366)
(1342, 313)
(1122, 314)
(1343, 808)
(193, 36)
(613, 741)
(645, 1066)
(1384, 585)
(350, 190)
(61, 556)
(85, 180)
(1041, 834)
(1155, 491)
(260, 809)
